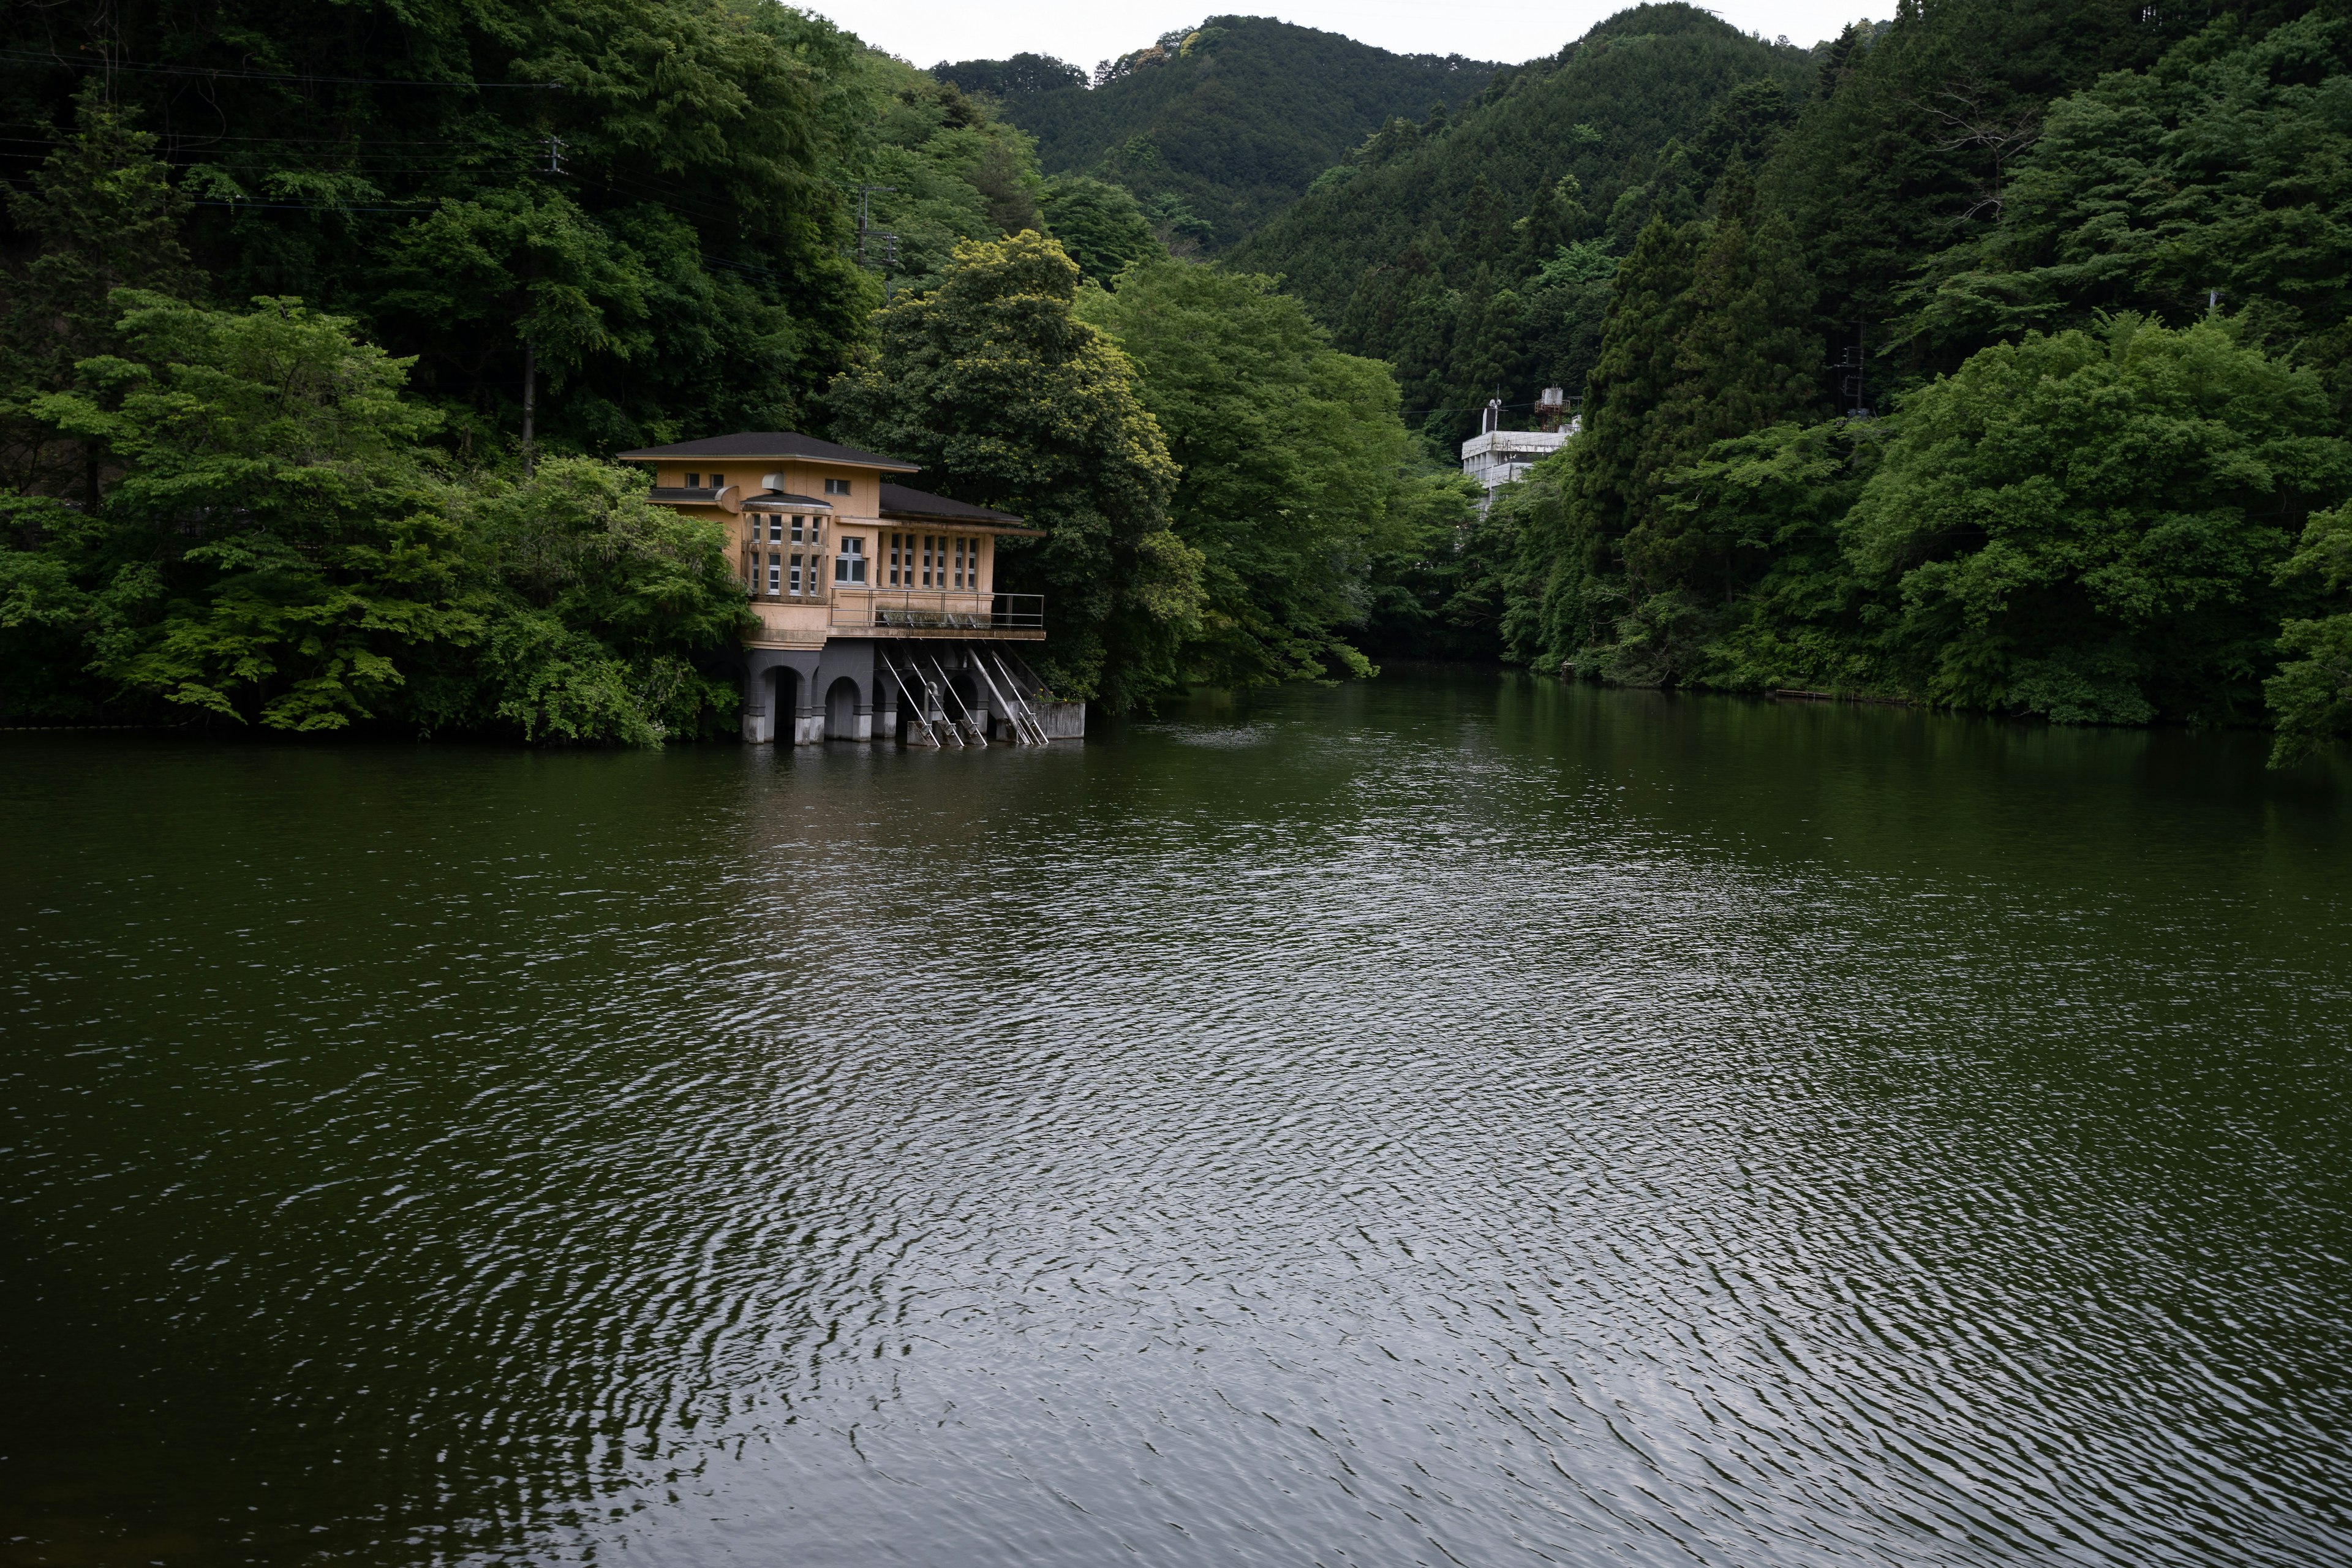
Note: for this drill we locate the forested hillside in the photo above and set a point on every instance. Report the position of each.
(1996, 355)
(1473, 249)
(321, 325)
(2008, 366)
(1217, 128)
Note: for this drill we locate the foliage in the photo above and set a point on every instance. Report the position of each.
(992, 381)
(1229, 122)
(105, 215)
(1291, 455)
(283, 548)
(653, 193)
(2087, 525)
(2224, 170)
(2311, 696)
(275, 551)
(1101, 225)
(1915, 127)
(598, 604)
(1602, 111)
(1707, 340)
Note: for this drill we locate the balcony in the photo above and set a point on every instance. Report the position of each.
(901, 613)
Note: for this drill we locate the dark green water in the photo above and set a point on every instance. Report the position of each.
(1457, 1120)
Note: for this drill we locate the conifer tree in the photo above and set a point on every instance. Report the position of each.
(106, 217)
(1746, 359)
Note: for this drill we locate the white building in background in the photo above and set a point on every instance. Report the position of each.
(1495, 457)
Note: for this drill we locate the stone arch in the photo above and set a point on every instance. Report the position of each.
(784, 695)
(842, 701)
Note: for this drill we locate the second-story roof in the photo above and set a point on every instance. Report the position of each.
(771, 444)
(901, 501)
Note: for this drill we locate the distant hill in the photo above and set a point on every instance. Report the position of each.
(1218, 129)
(1602, 110)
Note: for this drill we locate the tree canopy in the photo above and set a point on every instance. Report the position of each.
(992, 380)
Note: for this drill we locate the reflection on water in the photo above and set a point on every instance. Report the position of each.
(1460, 1118)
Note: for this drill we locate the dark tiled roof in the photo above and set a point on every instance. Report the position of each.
(898, 500)
(772, 444)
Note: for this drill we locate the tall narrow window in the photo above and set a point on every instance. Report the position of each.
(775, 573)
(775, 528)
(796, 530)
(849, 567)
(796, 576)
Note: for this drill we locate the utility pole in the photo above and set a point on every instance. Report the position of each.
(555, 147)
(885, 252)
(1852, 383)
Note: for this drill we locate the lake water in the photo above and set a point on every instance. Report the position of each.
(1459, 1118)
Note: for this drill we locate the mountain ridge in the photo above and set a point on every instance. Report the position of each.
(1217, 128)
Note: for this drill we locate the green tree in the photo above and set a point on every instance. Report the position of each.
(275, 551)
(1101, 225)
(2310, 697)
(478, 281)
(602, 614)
(2086, 525)
(106, 216)
(1008, 399)
(1292, 455)
(2228, 167)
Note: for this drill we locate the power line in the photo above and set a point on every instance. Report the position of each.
(156, 69)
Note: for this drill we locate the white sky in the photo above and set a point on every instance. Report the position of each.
(1084, 31)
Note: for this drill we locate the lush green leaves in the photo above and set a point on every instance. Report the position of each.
(1227, 123)
(275, 551)
(996, 386)
(1291, 454)
(2086, 525)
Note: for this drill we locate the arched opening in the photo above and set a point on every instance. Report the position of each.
(841, 710)
(785, 704)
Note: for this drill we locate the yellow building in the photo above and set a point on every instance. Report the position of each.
(878, 614)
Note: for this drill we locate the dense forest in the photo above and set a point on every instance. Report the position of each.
(1217, 128)
(1997, 354)
(323, 324)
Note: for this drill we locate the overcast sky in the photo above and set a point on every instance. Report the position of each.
(1085, 31)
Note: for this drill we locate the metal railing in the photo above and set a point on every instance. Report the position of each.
(897, 609)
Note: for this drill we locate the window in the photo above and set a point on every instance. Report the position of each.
(694, 481)
(796, 530)
(836, 487)
(930, 552)
(719, 481)
(960, 566)
(849, 567)
(796, 576)
(775, 573)
(775, 528)
(896, 542)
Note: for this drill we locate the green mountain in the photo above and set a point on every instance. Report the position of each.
(1603, 109)
(1218, 128)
